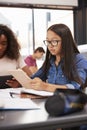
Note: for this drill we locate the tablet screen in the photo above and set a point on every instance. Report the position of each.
(3, 80)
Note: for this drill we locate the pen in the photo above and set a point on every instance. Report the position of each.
(13, 94)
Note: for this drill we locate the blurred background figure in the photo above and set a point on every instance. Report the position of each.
(31, 59)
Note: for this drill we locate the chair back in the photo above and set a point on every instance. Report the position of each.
(85, 84)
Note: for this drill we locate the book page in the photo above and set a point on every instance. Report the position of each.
(36, 92)
(21, 77)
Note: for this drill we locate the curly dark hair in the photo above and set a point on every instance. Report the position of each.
(13, 46)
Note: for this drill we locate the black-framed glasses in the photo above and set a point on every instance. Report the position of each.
(53, 42)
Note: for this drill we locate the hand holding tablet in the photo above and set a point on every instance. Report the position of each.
(21, 77)
(3, 80)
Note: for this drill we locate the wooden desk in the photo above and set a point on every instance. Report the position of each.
(39, 119)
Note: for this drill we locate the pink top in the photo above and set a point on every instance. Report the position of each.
(30, 61)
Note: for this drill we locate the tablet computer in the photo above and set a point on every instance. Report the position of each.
(21, 77)
(3, 80)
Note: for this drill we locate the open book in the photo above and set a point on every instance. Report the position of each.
(21, 77)
(29, 93)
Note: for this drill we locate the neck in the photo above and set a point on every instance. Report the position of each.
(58, 58)
(34, 57)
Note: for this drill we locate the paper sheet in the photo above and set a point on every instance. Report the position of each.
(17, 103)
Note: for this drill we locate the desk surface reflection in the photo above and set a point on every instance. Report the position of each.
(39, 119)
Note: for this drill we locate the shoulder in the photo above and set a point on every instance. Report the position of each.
(29, 58)
(79, 57)
(20, 58)
(38, 74)
(81, 60)
(20, 62)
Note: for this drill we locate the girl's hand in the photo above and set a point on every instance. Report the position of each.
(37, 84)
(13, 83)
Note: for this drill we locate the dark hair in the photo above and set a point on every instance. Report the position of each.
(13, 46)
(40, 49)
(69, 48)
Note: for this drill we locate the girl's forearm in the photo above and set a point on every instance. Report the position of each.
(52, 87)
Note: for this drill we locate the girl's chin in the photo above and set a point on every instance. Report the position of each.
(53, 54)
